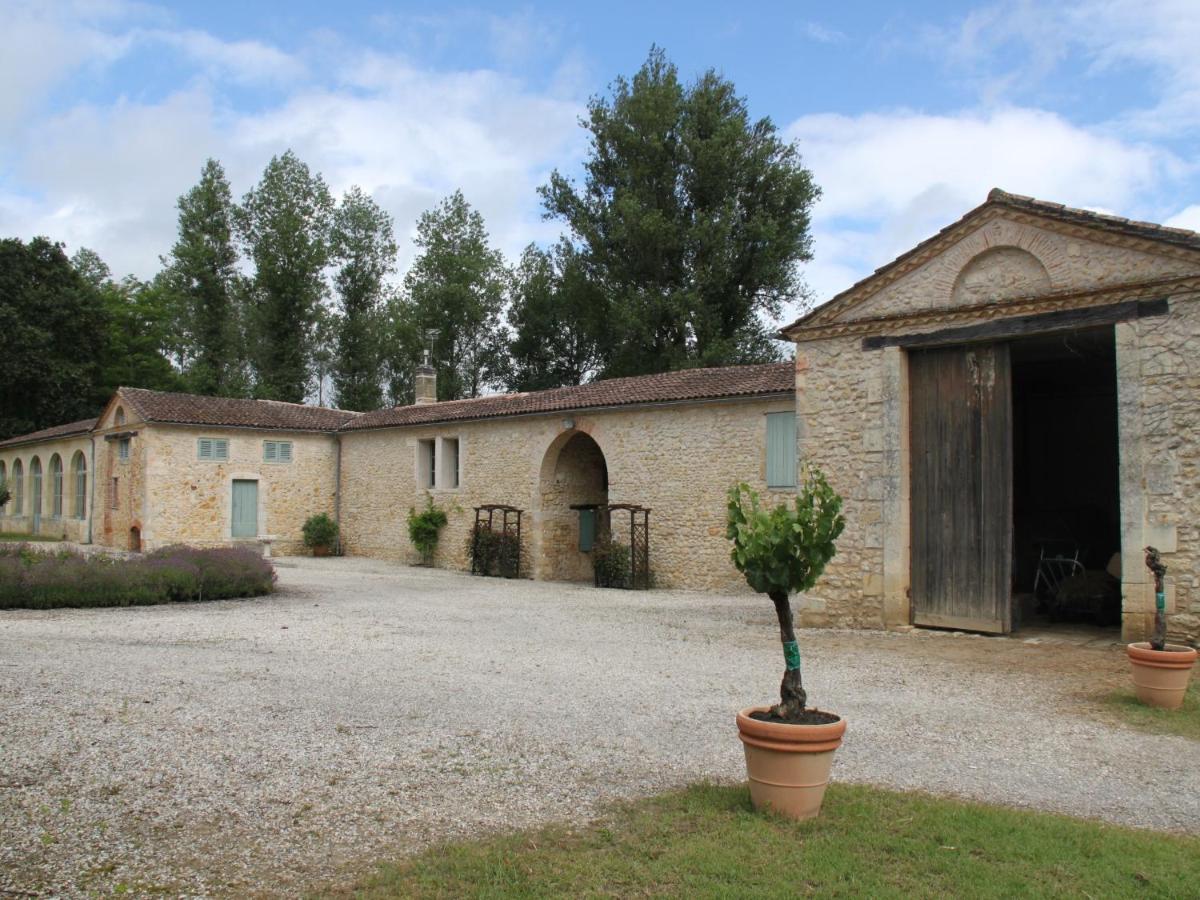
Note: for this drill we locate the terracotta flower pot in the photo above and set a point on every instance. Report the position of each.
(320, 550)
(788, 765)
(1160, 677)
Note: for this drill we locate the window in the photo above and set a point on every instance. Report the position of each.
(114, 492)
(427, 464)
(212, 449)
(123, 449)
(18, 488)
(119, 416)
(781, 450)
(35, 485)
(277, 451)
(4, 480)
(450, 455)
(79, 470)
(56, 487)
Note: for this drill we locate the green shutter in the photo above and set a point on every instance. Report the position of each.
(220, 448)
(270, 451)
(204, 448)
(587, 530)
(285, 451)
(245, 509)
(781, 450)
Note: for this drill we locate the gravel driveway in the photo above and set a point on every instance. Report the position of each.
(272, 746)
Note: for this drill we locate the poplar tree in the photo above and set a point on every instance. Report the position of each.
(365, 247)
(284, 225)
(201, 276)
(692, 218)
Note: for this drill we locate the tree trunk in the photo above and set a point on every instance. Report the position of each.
(791, 691)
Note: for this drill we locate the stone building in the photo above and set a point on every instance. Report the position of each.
(161, 468)
(1021, 389)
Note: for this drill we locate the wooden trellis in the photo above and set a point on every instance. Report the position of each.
(510, 527)
(639, 540)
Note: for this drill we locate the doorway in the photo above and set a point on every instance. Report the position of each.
(245, 509)
(1015, 510)
(574, 474)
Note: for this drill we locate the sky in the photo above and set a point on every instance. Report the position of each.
(907, 113)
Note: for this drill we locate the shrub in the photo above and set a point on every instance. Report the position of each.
(423, 528)
(5, 494)
(611, 563)
(320, 531)
(177, 574)
(493, 552)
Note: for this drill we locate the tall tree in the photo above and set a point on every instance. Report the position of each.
(455, 293)
(692, 217)
(201, 275)
(284, 225)
(52, 337)
(558, 318)
(365, 246)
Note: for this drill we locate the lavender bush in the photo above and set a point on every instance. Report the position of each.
(178, 574)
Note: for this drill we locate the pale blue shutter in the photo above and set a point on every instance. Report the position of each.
(781, 450)
(587, 530)
(220, 448)
(285, 451)
(269, 451)
(245, 509)
(204, 448)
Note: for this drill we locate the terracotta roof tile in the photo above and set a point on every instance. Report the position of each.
(688, 384)
(46, 434)
(192, 409)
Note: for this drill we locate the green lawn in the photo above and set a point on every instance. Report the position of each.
(1184, 721)
(707, 842)
(24, 538)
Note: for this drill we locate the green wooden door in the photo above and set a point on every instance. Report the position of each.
(245, 509)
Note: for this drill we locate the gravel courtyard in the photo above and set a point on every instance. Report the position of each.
(273, 746)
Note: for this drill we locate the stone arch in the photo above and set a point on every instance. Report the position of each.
(998, 274)
(574, 471)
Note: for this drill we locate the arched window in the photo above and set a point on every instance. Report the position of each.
(79, 471)
(4, 480)
(119, 416)
(35, 487)
(18, 488)
(56, 486)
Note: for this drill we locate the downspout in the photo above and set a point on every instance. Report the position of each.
(92, 498)
(337, 492)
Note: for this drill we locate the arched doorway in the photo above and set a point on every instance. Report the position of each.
(574, 473)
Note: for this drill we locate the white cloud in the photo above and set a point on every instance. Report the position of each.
(1188, 218)
(892, 180)
(245, 61)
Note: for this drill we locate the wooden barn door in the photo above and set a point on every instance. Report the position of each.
(961, 420)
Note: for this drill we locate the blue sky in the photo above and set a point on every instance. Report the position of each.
(907, 113)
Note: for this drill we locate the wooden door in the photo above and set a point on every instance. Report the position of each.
(245, 509)
(961, 446)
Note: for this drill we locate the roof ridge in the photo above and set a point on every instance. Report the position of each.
(243, 399)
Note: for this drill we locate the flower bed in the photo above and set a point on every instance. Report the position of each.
(178, 574)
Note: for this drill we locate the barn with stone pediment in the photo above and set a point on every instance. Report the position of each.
(1011, 406)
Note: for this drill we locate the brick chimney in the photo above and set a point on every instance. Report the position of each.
(425, 383)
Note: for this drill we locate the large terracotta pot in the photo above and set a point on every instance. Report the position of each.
(788, 765)
(1160, 677)
(320, 550)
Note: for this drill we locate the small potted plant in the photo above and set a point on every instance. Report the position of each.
(789, 746)
(1160, 670)
(423, 528)
(320, 534)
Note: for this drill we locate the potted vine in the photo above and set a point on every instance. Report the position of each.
(320, 534)
(423, 528)
(789, 747)
(1160, 670)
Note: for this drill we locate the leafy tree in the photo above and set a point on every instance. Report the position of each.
(201, 275)
(364, 243)
(692, 218)
(784, 550)
(52, 338)
(557, 317)
(284, 225)
(455, 291)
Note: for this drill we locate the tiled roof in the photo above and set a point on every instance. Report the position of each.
(46, 434)
(192, 409)
(688, 384)
(1179, 237)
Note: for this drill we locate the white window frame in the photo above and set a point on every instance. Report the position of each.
(451, 476)
(427, 464)
(218, 449)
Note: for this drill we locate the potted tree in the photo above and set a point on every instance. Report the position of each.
(1160, 670)
(320, 534)
(789, 747)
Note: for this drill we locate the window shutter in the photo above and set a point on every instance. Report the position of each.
(220, 449)
(205, 449)
(285, 451)
(269, 451)
(781, 449)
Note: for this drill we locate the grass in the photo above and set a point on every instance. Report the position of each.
(706, 841)
(25, 538)
(1184, 721)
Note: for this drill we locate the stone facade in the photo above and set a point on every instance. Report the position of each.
(68, 521)
(678, 460)
(852, 402)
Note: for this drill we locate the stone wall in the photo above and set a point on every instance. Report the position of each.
(190, 500)
(69, 525)
(679, 460)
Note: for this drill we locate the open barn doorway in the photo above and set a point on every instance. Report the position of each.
(574, 475)
(1066, 490)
